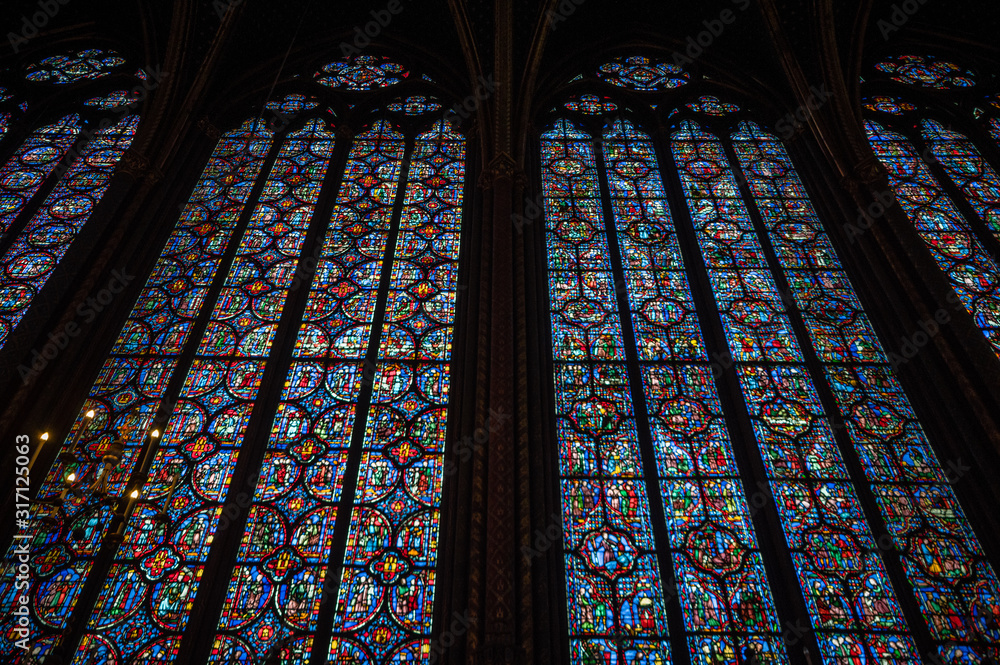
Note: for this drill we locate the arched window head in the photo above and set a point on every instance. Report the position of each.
(710, 105)
(364, 72)
(292, 104)
(89, 64)
(591, 105)
(926, 72)
(636, 72)
(887, 104)
(414, 105)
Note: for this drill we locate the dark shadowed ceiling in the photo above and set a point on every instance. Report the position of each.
(460, 37)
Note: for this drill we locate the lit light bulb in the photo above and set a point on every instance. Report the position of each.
(45, 436)
(134, 494)
(90, 414)
(155, 433)
(71, 478)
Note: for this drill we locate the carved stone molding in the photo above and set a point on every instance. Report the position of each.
(502, 166)
(154, 175)
(134, 163)
(209, 128)
(867, 176)
(344, 131)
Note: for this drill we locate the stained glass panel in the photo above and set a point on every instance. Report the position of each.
(617, 609)
(363, 72)
(24, 173)
(114, 100)
(889, 105)
(637, 72)
(295, 503)
(711, 105)
(851, 604)
(30, 260)
(721, 583)
(62, 69)
(131, 385)
(292, 104)
(415, 105)
(145, 603)
(968, 169)
(957, 589)
(926, 72)
(386, 593)
(972, 271)
(591, 105)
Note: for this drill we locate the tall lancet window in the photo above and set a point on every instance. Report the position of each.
(61, 166)
(307, 251)
(734, 448)
(936, 131)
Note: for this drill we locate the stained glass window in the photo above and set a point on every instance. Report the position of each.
(926, 71)
(134, 379)
(295, 503)
(843, 453)
(113, 100)
(373, 349)
(73, 67)
(957, 590)
(973, 272)
(292, 104)
(967, 169)
(33, 161)
(818, 507)
(386, 592)
(26, 264)
(617, 599)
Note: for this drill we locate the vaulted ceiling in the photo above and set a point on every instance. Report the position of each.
(462, 35)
